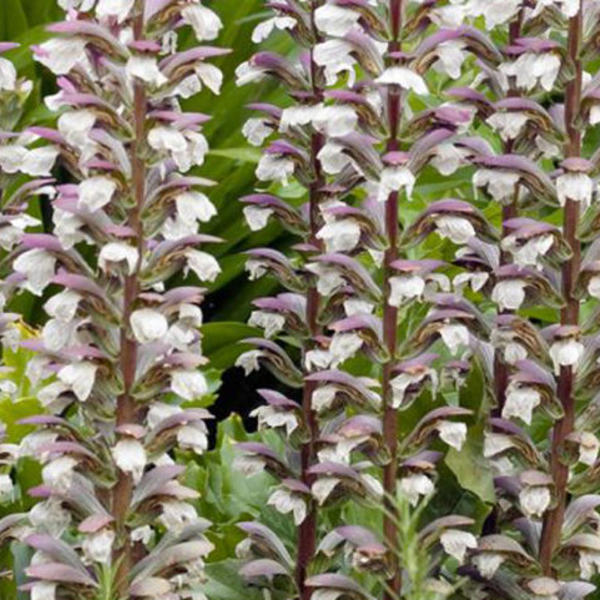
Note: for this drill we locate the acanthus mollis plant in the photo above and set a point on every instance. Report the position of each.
(119, 359)
(375, 146)
(540, 542)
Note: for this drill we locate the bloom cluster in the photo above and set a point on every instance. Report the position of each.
(407, 89)
(119, 360)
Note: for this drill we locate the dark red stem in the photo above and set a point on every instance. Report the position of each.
(390, 316)
(553, 519)
(126, 408)
(307, 534)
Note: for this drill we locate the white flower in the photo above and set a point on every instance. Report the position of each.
(451, 55)
(335, 120)
(340, 235)
(61, 54)
(454, 336)
(146, 69)
(344, 346)
(210, 76)
(38, 267)
(96, 192)
(257, 217)
(532, 69)
(456, 542)
(335, 20)
(57, 335)
(416, 485)
(75, 126)
(205, 23)
(588, 448)
(285, 502)
(114, 253)
(318, 358)
(263, 30)
(68, 228)
(148, 325)
(475, 279)
(256, 131)
(589, 563)
(58, 473)
(249, 361)
(8, 75)
(130, 456)
(269, 417)
(456, 229)
(322, 398)
(335, 56)
(143, 534)
(500, 184)
(509, 124)
(509, 294)
(114, 8)
(322, 488)
(332, 158)
(578, 187)
(11, 232)
(271, 322)
(496, 443)
(43, 590)
(405, 287)
(275, 168)
(514, 352)
(520, 402)
(50, 516)
(188, 385)
(488, 563)
(529, 253)
(395, 179)
(39, 161)
(357, 306)
(593, 286)
(534, 500)
(247, 73)
(404, 78)
(204, 265)
(329, 279)
(566, 353)
(448, 158)
(176, 515)
(193, 437)
(403, 381)
(80, 377)
(98, 546)
(453, 434)
(6, 487)
(167, 139)
(496, 12)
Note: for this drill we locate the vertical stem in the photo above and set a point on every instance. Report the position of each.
(553, 519)
(126, 408)
(308, 528)
(390, 315)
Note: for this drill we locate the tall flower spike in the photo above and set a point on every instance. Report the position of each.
(14, 91)
(116, 341)
(301, 312)
(385, 159)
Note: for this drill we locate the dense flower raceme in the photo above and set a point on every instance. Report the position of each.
(529, 163)
(119, 361)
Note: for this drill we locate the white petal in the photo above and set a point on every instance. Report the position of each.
(130, 457)
(148, 325)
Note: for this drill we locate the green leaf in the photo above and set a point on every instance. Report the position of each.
(471, 469)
